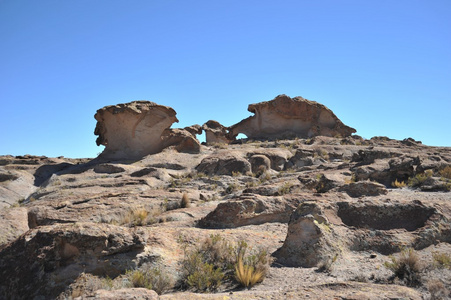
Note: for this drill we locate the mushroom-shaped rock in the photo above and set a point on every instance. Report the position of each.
(133, 130)
(215, 132)
(285, 117)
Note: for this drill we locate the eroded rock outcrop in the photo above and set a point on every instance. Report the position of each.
(133, 130)
(285, 117)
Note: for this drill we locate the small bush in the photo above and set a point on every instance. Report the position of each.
(446, 172)
(398, 184)
(407, 267)
(216, 261)
(442, 260)
(151, 278)
(285, 188)
(419, 179)
(236, 174)
(186, 202)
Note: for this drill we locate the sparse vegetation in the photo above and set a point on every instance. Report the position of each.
(446, 172)
(236, 174)
(406, 267)
(437, 289)
(442, 260)
(419, 179)
(215, 261)
(398, 184)
(285, 188)
(150, 278)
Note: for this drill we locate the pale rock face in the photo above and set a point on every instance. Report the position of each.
(215, 132)
(285, 117)
(136, 129)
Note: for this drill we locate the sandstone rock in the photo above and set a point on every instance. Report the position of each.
(285, 117)
(223, 164)
(259, 163)
(133, 130)
(51, 257)
(216, 133)
(310, 240)
(181, 139)
(249, 210)
(13, 223)
(277, 156)
(122, 294)
(364, 188)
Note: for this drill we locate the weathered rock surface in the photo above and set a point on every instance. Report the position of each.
(285, 117)
(52, 257)
(215, 133)
(106, 217)
(133, 130)
(121, 294)
(250, 210)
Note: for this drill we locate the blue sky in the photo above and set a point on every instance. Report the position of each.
(383, 66)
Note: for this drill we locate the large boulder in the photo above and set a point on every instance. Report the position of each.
(285, 117)
(51, 257)
(136, 129)
(310, 239)
(224, 164)
(215, 132)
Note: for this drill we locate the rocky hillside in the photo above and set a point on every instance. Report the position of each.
(333, 213)
(302, 209)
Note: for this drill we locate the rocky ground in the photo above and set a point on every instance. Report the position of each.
(330, 211)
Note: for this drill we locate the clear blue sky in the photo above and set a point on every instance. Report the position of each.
(383, 66)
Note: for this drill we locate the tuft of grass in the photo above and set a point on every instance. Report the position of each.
(285, 188)
(406, 267)
(236, 174)
(185, 202)
(442, 260)
(398, 184)
(247, 275)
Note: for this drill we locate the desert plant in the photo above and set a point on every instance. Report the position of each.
(236, 173)
(247, 275)
(406, 267)
(398, 184)
(419, 179)
(150, 278)
(442, 260)
(446, 172)
(215, 261)
(285, 188)
(231, 188)
(185, 202)
(437, 289)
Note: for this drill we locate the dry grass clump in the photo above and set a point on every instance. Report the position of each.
(446, 172)
(186, 202)
(215, 261)
(442, 260)
(135, 217)
(406, 267)
(398, 184)
(419, 179)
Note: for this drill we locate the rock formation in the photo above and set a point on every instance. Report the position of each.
(133, 130)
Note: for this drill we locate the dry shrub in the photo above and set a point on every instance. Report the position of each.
(437, 289)
(398, 184)
(420, 178)
(442, 260)
(406, 267)
(186, 202)
(446, 172)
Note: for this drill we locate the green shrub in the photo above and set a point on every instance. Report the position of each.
(406, 267)
(446, 172)
(419, 179)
